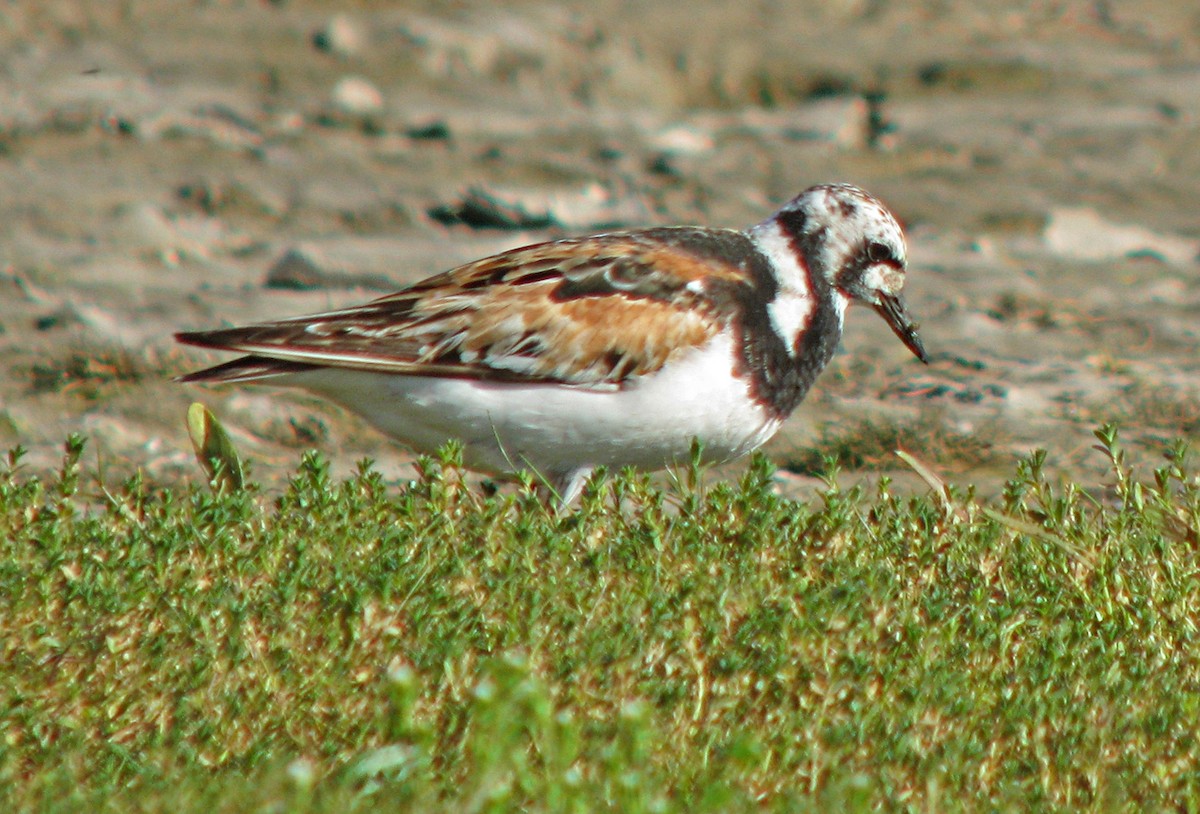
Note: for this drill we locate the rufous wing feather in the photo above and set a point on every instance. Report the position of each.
(593, 311)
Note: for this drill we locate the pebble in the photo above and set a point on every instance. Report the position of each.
(683, 139)
(60, 318)
(219, 125)
(434, 130)
(295, 272)
(341, 37)
(844, 121)
(302, 269)
(142, 227)
(482, 209)
(356, 96)
(590, 207)
(1081, 233)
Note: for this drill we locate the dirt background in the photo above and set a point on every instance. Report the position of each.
(172, 165)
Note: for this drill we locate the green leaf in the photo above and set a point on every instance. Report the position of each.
(215, 450)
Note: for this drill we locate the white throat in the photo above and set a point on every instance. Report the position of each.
(792, 310)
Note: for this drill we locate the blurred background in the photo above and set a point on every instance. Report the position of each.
(180, 165)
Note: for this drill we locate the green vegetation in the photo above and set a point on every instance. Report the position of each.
(88, 373)
(349, 646)
(872, 444)
(1155, 410)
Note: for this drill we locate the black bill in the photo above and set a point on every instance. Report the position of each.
(892, 309)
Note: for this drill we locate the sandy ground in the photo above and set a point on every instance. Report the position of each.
(171, 165)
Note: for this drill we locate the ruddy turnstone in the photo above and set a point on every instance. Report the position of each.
(610, 350)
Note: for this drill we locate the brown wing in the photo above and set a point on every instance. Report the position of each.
(590, 311)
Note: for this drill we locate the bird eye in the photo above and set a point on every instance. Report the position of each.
(878, 252)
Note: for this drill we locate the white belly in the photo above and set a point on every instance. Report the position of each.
(556, 429)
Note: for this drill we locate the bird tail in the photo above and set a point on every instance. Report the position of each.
(250, 368)
(245, 369)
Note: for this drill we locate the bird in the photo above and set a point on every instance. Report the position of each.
(612, 350)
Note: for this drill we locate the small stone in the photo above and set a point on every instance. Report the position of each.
(436, 130)
(576, 209)
(843, 121)
(143, 226)
(341, 37)
(664, 164)
(300, 270)
(60, 318)
(356, 96)
(295, 272)
(481, 209)
(1083, 234)
(683, 139)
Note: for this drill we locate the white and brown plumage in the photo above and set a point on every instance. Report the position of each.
(610, 350)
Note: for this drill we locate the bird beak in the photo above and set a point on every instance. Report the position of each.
(892, 309)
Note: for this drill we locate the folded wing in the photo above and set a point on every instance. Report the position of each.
(594, 311)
